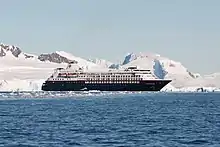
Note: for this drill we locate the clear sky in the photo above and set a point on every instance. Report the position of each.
(184, 30)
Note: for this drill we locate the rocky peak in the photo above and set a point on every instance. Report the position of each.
(2, 53)
(54, 57)
(16, 51)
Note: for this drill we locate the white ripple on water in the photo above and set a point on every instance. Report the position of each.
(80, 94)
(68, 94)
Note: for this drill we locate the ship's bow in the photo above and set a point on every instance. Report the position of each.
(163, 83)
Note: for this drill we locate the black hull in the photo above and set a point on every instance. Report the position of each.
(148, 85)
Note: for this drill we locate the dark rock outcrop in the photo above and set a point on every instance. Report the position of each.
(115, 66)
(16, 51)
(56, 58)
(192, 75)
(2, 53)
(28, 56)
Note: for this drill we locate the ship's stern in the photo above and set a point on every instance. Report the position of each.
(44, 86)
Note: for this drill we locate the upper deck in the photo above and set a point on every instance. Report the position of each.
(77, 73)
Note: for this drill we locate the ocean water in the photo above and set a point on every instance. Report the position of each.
(102, 119)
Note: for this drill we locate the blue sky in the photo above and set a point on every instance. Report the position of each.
(183, 30)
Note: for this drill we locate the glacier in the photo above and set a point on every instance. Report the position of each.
(159, 69)
(20, 71)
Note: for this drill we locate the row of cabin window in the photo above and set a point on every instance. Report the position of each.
(103, 76)
(96, 77)
(60, 79)
(98, 80)
(112, 78)
(112, 82)
(100, 73)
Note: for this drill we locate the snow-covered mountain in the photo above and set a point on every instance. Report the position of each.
(23, 71)
(60, 57)
(5, 49)
(13, 51)
(162, 67)
(166, 68)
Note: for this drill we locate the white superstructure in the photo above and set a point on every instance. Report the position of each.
(75, 73)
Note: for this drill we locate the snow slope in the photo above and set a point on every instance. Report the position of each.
(81, 62)
(101, 62)
(24, 74)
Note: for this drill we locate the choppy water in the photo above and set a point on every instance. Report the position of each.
(132, 119)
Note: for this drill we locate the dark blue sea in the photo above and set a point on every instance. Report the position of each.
(96, 120)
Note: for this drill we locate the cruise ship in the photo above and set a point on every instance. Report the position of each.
(75, 78)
